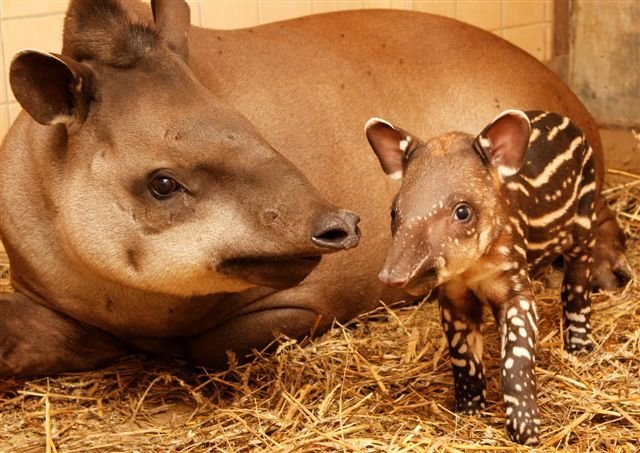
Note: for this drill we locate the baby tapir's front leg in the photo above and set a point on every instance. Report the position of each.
(461, 314)
(517, 320)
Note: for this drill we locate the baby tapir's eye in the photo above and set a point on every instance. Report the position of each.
(163, 186)
(462, 212)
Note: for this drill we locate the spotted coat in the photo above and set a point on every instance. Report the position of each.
(477, 217)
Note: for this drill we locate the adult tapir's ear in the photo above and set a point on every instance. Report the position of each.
(173, 19)
(391, 144)
(51, 88)
(504, 142)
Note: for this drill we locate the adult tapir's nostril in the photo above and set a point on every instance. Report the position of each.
(337, 230)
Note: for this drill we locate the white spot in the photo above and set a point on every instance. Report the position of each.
(513, 311)
(396, 175)
(517, 321)
(459, 325)
(456, 339)
(458, 362)
(521, 352)
(508, 363)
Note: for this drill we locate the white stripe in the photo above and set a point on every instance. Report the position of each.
(520, 250)
(462, 363)
(555, 215)
(535, 133)
(550, 169)
(511, 399)
(588, 188)
(541, 245)
(582, 221)
(517, 186)
(539, 117)
(553, 132)
(577, 329)
(576, 317)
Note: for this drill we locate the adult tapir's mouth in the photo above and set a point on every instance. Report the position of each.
(279, 272)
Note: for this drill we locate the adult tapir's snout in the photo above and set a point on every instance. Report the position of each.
(337, 231)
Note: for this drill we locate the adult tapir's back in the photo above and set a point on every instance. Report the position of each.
(309, 84)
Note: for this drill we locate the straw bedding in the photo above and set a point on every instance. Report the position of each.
(381, 383)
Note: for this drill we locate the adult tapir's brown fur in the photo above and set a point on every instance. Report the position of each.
(102, 266)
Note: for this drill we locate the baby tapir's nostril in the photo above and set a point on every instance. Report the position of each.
(337, 230)
(391, 280)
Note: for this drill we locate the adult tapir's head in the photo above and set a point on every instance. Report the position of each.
(158, 185)
(447, 212)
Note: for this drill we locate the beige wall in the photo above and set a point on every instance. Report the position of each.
(604, 60)
(38, 24)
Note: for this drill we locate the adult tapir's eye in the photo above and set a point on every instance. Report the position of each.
(462, 212)
(163, 186)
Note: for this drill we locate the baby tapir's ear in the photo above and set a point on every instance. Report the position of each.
(51, 88)
(504, 142)
(391, 144)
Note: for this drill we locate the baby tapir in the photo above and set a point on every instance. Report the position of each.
(477, 216)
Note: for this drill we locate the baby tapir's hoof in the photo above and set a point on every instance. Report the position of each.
(471, 407)
(578, 344)
(524, 430)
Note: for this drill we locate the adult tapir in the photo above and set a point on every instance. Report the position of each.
(171, 189)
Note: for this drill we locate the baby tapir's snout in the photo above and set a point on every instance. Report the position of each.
(410, 259)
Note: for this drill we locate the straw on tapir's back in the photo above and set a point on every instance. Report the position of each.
(176, 152)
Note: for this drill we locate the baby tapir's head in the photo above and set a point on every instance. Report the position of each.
(449, 209)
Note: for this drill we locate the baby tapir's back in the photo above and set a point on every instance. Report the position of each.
(553, 195)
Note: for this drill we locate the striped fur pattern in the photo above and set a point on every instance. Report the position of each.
(477, 217)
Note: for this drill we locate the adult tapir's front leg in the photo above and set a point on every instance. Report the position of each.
(302, 311)
(517, 320)
(35, 340)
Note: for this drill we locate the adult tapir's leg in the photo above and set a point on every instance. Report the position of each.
(305, 310)
(35, 340)
(610, 264)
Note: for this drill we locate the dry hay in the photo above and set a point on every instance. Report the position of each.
(381, 383)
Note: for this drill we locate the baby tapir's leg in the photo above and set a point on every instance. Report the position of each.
(576, 286)
(517, 320)
(461, 314)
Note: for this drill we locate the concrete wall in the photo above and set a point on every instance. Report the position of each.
(604, 55)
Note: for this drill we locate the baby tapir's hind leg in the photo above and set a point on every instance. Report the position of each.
(576, 289)
(517, 320)
(461, 314)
